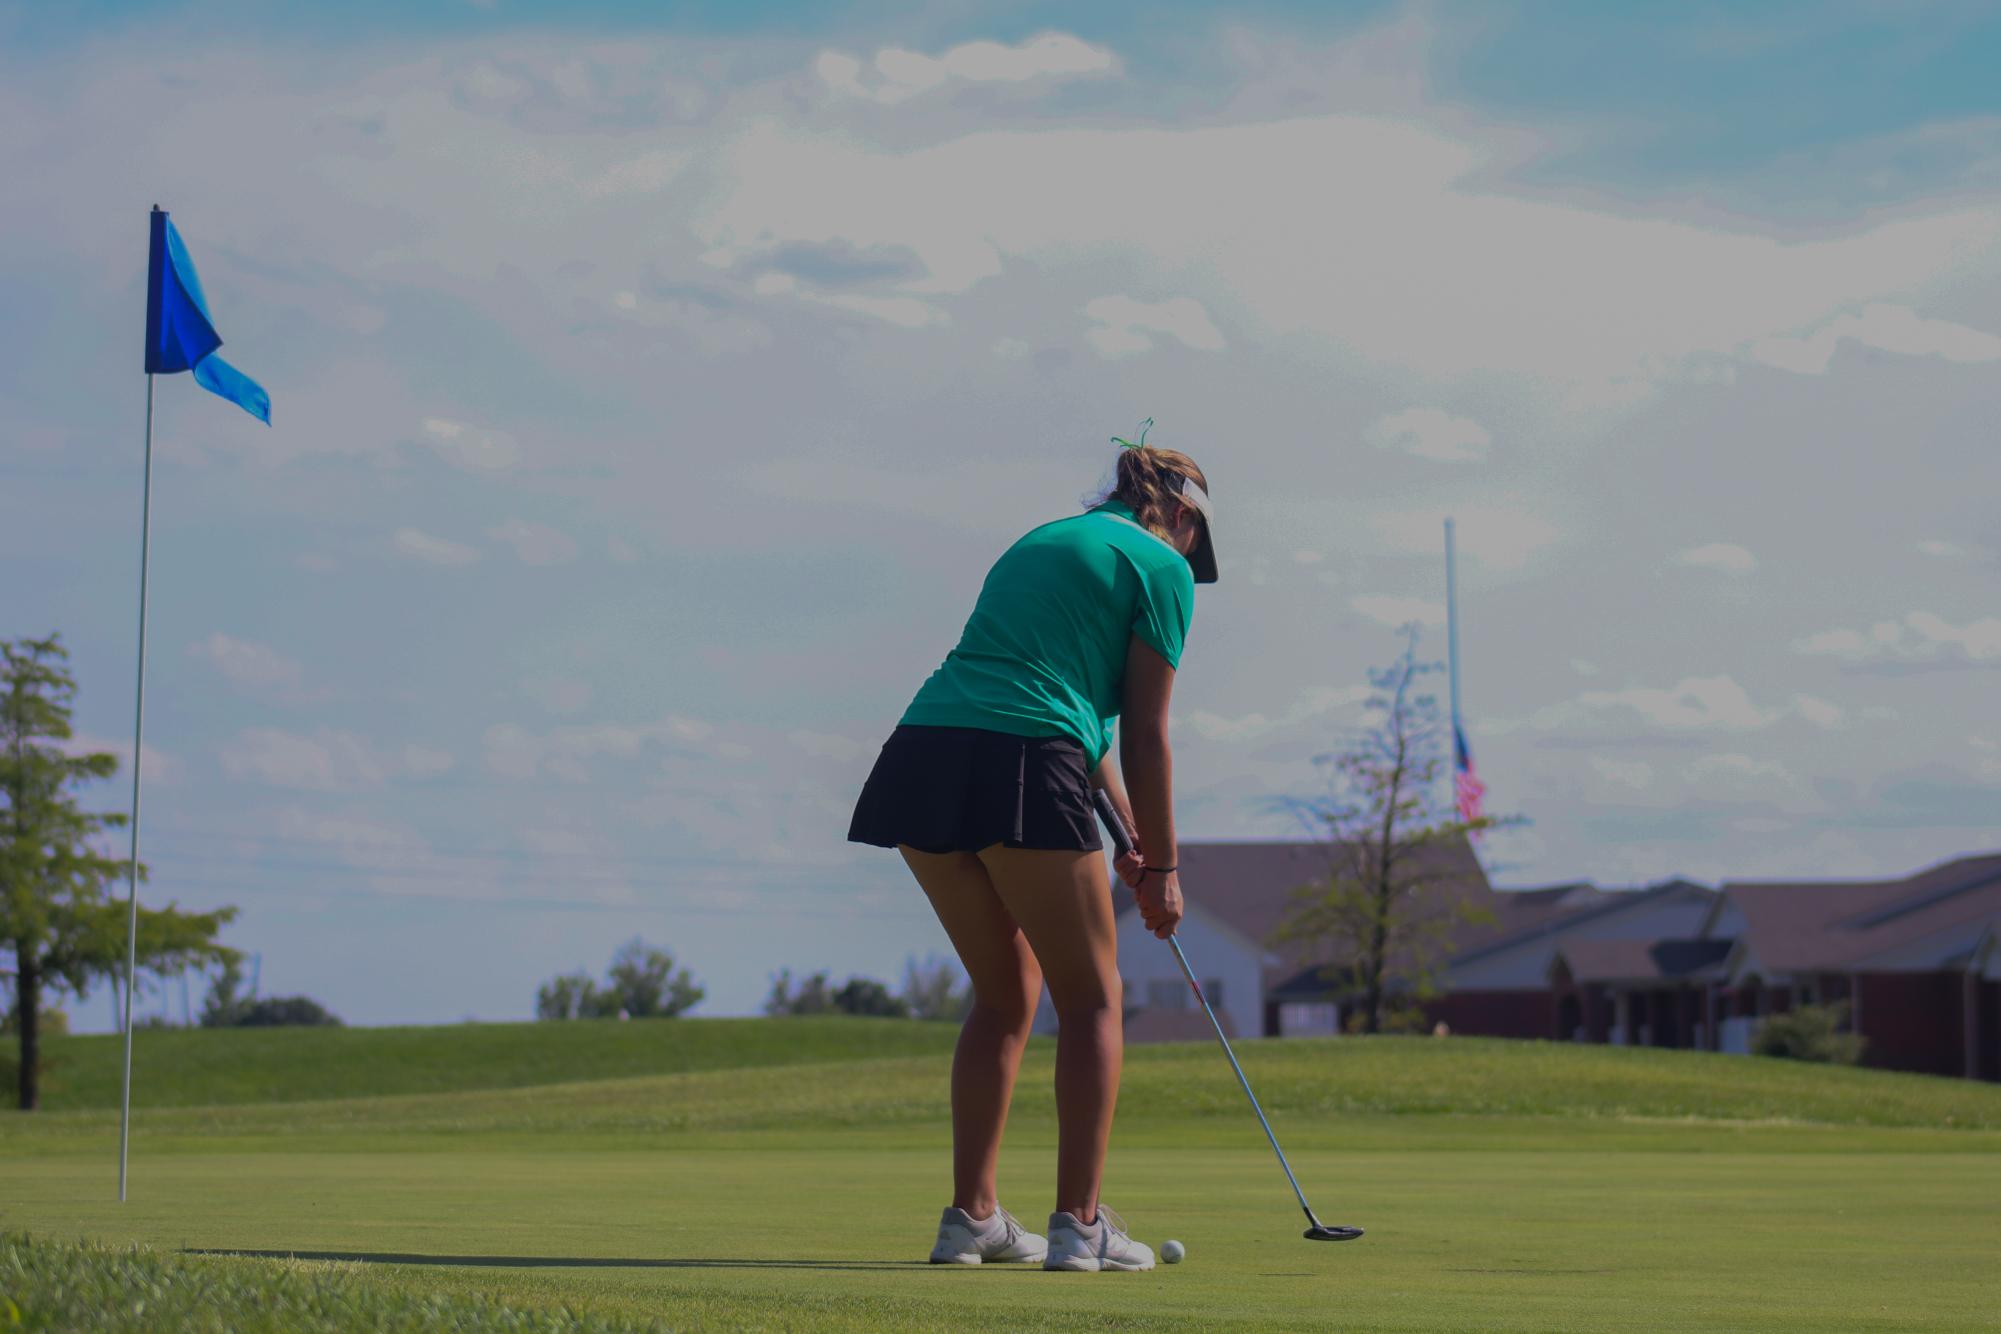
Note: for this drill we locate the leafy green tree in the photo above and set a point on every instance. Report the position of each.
(933, 990)
(57, 911)
(869, 998)
(571, 996)
(1384, 914)
(1810, 1033)
(817, 995)
(642, 983)
(225, 1000)
(227, 1007)
(814, 995)
(287, 1012)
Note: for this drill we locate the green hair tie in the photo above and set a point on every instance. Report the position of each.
(1144, 427)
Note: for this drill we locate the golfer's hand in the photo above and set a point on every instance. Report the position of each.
(1130, 867)
(1160, 903)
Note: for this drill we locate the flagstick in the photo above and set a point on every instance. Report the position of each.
(1452, 627)
(138, 744)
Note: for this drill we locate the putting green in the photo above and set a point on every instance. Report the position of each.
(804, 1197)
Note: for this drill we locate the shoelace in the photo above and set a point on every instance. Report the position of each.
(1110, 1218)
(1014, 1227)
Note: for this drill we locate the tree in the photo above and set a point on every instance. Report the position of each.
(642, 983)
(1810, 1033)
(1385, 912)
(56, 911)
(571, 996)
(816, 995)
(931, 990)
(226, 1007)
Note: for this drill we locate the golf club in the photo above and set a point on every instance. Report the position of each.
(1318, 1231)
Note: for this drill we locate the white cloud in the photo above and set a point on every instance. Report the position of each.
(827, 746)
(1921, 637)
(1125, 323)
(473, 448)
(1312, 704)
(432, 550)
(329, 761)
(1824, 714)
(1010, 349)
(901, 74)
(906, 312)
(1431, 433)
(160, 766)
(1696, 703)
(1635, 774)
(1725, 557)
(565, 752)
(1889, 328)
(1732, 769)
(558, 694)
(426, 761)
(1540, 291)
(1398, 611)
(621, 551)
(250, 665)
(1502, 536)
(535, 543)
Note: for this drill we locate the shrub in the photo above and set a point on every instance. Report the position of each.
(1810, 1033)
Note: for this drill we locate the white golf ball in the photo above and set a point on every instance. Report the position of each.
(1172, 1251)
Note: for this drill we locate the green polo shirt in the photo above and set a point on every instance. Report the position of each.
(1044, 652)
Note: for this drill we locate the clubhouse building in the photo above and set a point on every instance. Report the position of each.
(1917, 959)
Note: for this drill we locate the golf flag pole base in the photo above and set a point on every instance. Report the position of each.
(138, 749)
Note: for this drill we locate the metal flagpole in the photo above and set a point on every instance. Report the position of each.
(1452, 629)
(138, 744)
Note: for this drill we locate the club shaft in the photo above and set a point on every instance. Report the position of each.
(1122, 839)
(1196, 987)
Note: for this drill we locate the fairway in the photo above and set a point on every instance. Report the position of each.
(803, 1196)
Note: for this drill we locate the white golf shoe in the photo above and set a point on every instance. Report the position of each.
(998, 1239)
(1089, 1247)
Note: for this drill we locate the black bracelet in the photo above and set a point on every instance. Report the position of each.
(1162, 869)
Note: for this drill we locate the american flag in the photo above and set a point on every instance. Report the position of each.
(1467, 789)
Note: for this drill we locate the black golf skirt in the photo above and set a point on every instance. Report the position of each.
(961, 789)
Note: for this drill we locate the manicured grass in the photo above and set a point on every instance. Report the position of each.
(204, 1066)
(53, 1285)
(1504, 1186)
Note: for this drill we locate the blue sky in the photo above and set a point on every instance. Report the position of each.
(650, 398)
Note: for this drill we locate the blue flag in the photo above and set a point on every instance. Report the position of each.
(180, 336)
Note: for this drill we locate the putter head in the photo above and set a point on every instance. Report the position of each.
(1321, 1232)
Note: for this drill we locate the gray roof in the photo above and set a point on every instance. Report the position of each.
(1803, 926)
(1250, 886)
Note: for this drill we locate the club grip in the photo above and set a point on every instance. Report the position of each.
(1121, 838)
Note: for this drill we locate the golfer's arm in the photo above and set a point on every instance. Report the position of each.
(1144, 755)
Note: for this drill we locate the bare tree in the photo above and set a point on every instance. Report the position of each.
(1384, 914)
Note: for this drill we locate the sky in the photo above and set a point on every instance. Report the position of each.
(651, 394)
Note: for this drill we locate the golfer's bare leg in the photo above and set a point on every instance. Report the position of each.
(1006, 986)
(1063, 902)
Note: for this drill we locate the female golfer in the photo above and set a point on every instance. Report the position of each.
(985, 787)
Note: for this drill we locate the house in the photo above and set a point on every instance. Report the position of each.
(1914, 958)
(1527, 983)
(1235, 898)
